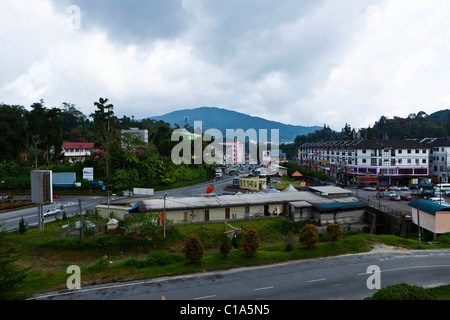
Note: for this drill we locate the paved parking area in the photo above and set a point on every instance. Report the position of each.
(395, 205)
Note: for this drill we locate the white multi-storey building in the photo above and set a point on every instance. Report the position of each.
(439, 159)
(387, 162)
(141, 134)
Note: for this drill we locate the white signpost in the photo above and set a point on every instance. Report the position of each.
(88, 174)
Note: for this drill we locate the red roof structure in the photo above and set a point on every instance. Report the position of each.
(297, 174)
(78, 145)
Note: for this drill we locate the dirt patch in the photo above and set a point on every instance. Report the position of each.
(381, 247)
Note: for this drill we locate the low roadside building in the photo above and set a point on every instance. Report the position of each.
(299, 205)
(431, 216)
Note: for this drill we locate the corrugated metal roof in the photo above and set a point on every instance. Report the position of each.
(330, 190)
(428, 206)
(230, 201)
(300, 204)
(339, 205)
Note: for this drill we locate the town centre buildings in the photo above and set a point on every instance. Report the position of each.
(300, 205)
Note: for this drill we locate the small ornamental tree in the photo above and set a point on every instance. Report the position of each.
(23, 226)
(335, 231)
(193, 248)
(308, 235)
(225, 245)
(251, 243)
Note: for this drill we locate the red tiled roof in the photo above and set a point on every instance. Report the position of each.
(78, 145)
(297, 174)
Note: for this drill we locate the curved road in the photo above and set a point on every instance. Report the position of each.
(10, 220)
(344, 277)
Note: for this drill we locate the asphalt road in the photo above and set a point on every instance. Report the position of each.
(10, 220)
(199, 190)
(336, 278)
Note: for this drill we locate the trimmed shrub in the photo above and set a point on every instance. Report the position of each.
(308, 236)
(225, 245)
(251, 243)
(335, 231)
(23, 226)
(289, 240)
(193, 248)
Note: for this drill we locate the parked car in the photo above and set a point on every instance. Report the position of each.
(370, 188)
(380, 194)
(394, 188)
(51, 212)
(404, 188)
(406, 197)
(394, 197)
(56, 196)
(414, 192)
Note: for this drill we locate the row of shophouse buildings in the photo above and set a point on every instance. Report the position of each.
(384, 162)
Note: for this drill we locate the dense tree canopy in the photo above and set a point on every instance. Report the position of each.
(32, 138)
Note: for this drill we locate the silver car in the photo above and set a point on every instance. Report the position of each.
(51, 212)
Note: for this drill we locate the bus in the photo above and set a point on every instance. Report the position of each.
(444, 187)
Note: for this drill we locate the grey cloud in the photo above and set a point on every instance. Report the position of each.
(130, 21)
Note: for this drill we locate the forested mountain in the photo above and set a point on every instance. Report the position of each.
(223, 119)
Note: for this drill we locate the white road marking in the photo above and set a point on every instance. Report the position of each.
(205, 297)
(265, 288)
(317, 280)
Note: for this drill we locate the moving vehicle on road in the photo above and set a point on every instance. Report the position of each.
(51, 212)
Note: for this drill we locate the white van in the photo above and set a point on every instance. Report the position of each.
(439, 200)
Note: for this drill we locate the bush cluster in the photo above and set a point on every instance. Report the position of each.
(402, 291)
(251, 243)
(193, 248)
(308, 236)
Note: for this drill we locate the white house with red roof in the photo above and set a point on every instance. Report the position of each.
(77, 151)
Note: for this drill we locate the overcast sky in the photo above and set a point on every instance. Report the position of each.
(303, 62)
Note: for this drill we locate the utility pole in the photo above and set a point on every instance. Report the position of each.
(81, 220)
(108, 206)
(165, 196)
(418, 216)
